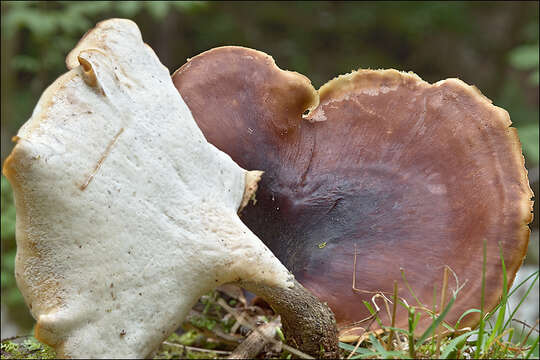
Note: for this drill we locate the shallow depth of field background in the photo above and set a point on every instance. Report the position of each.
(491, 45)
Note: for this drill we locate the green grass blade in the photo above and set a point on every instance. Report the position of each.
(346, 346)
(437, 322)
(372, 312)
(488, 316)
(498, 328)
(396, 329)
(412, 353)
(465, 314)
(522, 299)
(381, 351)
(452, 345)
(363, 352)
(482, 324)
(377, 345)
(374, 355)
(409, 287)
(536, 273)
(416, 318)
(504, 351)
(533, 347)
(349, 347)
(448, 327)
(369, 307)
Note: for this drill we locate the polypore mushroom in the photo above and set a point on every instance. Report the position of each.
(126, 215)
(415, 176)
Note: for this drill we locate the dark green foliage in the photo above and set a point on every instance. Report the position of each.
(491, 45)
(11, 296)
(8, 211)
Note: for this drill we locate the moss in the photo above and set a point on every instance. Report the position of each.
(170, 352)
(29, 348)
(203, 322)
(173, 349)
(187, 338)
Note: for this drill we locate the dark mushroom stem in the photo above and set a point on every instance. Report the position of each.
(308, 324)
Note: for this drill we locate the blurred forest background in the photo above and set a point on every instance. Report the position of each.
(493, 45)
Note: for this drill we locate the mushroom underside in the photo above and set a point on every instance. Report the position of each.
(386, 173)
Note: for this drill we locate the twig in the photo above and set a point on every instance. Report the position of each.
(192, 348)
(395, 296)
(216, 334)
(356, 323)
(255, 342)
(529, 333)
(237, 324)
(16, 337)
(354, 279)
(527, 325)
(447, 333)
(389, 344)
(360, 339)
(248, 324)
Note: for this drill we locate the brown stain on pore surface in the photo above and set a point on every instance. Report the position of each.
(415, 175)
(101, 160)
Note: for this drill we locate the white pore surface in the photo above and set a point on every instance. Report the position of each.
(126, 215)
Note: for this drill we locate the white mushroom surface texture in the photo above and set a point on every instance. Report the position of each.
(126, 215)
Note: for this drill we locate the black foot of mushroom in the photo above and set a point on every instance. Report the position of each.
(126, 215)
(308, 324)
(409, 175)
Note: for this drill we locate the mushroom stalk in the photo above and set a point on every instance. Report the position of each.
(309, 324)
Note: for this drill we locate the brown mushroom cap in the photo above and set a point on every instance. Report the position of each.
(414, 175)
